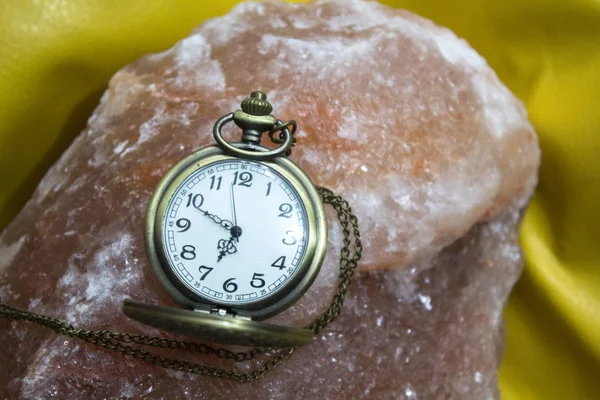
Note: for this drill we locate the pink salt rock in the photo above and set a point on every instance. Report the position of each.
(399, 116)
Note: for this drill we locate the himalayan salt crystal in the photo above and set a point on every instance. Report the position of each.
(399, 116)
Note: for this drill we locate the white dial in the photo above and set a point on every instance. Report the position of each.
(235, 232)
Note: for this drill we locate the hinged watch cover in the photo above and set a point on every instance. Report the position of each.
(217, 328)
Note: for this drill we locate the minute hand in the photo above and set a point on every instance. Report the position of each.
(232, 194)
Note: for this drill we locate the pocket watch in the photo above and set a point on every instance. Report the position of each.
(236, 233)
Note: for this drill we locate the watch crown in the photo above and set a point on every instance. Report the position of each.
(257, 104)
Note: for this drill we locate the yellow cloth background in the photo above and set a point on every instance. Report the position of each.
(56, 57)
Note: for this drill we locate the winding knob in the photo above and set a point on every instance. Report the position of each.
(257, 104)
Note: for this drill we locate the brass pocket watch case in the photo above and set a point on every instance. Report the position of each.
(229, 274)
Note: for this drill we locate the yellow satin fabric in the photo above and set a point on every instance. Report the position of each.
(56, 57)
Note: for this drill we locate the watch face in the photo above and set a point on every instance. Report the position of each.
(234, 232)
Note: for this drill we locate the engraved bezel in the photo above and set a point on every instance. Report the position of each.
(263, 308)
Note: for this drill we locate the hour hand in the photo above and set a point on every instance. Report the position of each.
(223, 222)
(226, 247)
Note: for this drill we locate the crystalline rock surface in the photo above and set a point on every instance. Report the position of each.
(396, 114)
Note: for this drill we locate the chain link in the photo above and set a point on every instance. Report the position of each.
(120, 342)
(279, 127)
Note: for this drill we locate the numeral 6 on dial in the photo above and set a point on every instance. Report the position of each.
(229, 286)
